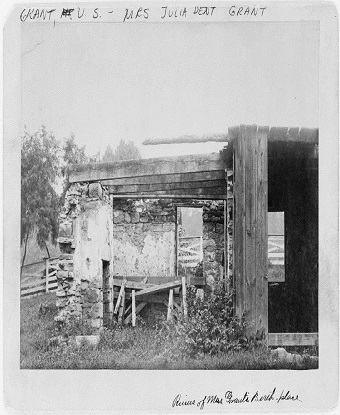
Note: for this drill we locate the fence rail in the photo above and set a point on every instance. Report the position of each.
(47, 284)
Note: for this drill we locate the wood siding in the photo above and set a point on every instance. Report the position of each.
(250, 244)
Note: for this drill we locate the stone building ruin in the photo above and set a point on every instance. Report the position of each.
(127, 242)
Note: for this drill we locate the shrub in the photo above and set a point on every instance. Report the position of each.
(209, 328)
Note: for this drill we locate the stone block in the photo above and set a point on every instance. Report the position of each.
(127, 217)
(62, 302)
(118, 218)
(219, 228)
(97, 323)
(143, 219)
(62, 275)
(65, 257)
(135, 217)
(66, 265)
(92, 295)
(95, 190)
(97, 311)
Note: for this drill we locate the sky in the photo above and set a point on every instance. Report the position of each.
(110, 81)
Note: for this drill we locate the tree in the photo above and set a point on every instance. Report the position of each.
(127, 151)
(39, 200)
(108, 155)
(73, 154)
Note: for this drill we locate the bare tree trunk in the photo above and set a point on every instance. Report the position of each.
(25, 250)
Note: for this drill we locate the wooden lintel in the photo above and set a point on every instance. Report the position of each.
(136, 188)
(159, 288)
(166, 178)
(163, 195)
(292, 339)
(145, 167)
(205, 138)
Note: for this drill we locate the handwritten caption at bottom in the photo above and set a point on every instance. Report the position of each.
(230, 398)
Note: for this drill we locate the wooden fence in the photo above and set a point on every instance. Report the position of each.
(47, 283)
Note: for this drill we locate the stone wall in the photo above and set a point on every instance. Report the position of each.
(144, 237)
(85, 240)
(127, 238)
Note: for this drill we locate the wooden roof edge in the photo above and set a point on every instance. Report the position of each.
(300, 134)
(126, 163)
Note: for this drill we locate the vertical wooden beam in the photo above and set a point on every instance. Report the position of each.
(46, 273)
(122, 308)
(133, 298)
(184, 297)
(261, 317)
(250, 239)
(250, 227)
(170, 304)
(239, 220)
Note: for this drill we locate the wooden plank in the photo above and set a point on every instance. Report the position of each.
(158, 288)
(37, 284)
(145, 167)
(250, 235)
(166, 178)
(174, 195)
(170, 304)
(184, 297)
(261, 317)
(131, 284)
(34, 294)
(33, 291)
(293, 339)
(133, 308)
(121, 292)
(239, 221)
(152, 280)
(139, 308)
(205, 138)
(121, 308)
(46, 274)
(179, 185)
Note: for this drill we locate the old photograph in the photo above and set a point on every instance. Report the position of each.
(159, 256)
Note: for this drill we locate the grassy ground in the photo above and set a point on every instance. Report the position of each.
(126, 348)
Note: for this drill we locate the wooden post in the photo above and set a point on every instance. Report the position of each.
(121, 309)
(46, 273)
(184, 297)
(120, 295)
(133, 298)
(261, 316)
(250, 227)
(225, 236)
(170, 304)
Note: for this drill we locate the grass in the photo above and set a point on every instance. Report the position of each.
(124, 348)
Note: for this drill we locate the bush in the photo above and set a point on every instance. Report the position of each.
(210, 327)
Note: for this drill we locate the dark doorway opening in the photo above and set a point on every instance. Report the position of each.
(107, 303)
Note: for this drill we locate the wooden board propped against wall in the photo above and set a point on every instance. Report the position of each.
(250, 227)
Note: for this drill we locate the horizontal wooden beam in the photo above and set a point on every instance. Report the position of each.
(166, 178)
(159, 288)
(164, 195)
(150, 279)
(131, 284)
(275, 134)
(205, 138)
(137, 188)
(145, 167)
(292, 339)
